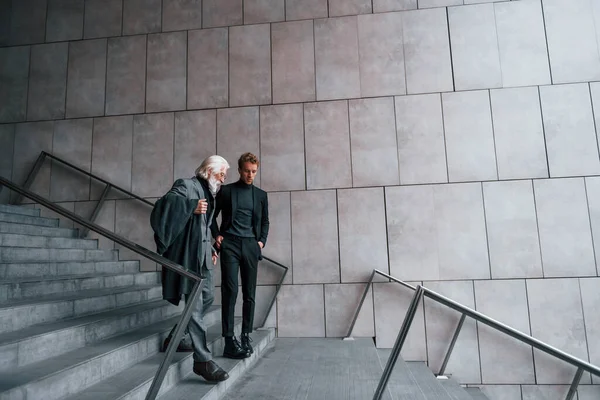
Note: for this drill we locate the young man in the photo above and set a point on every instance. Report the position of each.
(240, 239)
(181, 221)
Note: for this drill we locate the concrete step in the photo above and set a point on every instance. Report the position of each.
(10, 227)
(454, 389)
(54, 270)
(19, 289)
(36, 254)
(10, 209)
(41, 342)
(28, 220)
(180, 382)
(16, 240)
(427, 382)
(18, 315)
(72, 372)
(476, 393)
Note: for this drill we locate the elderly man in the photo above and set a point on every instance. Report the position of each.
(240, 238)
(181, 221)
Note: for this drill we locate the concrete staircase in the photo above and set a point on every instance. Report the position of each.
(76, 322)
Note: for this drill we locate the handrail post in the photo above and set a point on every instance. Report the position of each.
(85, 231)
(452, 343)
(32, 175)
(362, 300)
(575, 384)
(408, 319)
(277, 289)
(175, 339)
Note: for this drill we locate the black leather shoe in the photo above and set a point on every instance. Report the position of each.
(182, 348)
(246, 339)
(210, 371)
(233, 349)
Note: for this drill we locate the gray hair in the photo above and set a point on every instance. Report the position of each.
(213, 163)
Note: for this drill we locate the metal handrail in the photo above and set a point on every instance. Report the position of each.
(195, 293)
(421, 291)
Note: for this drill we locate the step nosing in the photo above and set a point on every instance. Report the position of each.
(54, 278)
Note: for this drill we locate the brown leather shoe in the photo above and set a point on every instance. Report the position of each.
(182, 348)
(210, 371)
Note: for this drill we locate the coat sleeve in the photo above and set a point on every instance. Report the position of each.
(171, 214)
(264, 229)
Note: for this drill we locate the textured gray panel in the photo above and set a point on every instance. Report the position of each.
(293, 62)
(126, 75)
(393, 299)
(441, 323)
(427, 51)
(112, 152)
(556, 316)
(73, 142)
(86, 78)
(341, 302)
(301, 311)
(469, 136)
(141, 16)
(420, 136)
(327, 145)
(282, 147)
(381, 52)
(503, 359)
(102, 18)
(14, 76)
(221, 13)
(305, 9)
(65, 20)
(166, 82)
(373, 142)
(260, 11)
(512, 230)
(572, 44)
(339, 8)
(208, 76)
(133, 222)
(250, 65)
(27, 21)
(238, 133)
(522, 43)
(313, 266)
(152, 161)
(195, 139)
(336, 56)
(569, 126)
(362, 230)
(590, 300)
(47, 81)
(517, 118)
(181, 14)
(30, 139)
(475, 54)
(380, 6)
(564, 227)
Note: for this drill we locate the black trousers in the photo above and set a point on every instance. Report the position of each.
(238, 254)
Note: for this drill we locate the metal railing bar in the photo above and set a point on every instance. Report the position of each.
(177, 335)
(136, 248)
(538, 344)
(97, 209)
(452, 343)
(575, 384)
(408, 318)
(277, 289)
(32, 175)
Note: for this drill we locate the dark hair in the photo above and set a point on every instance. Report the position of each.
(248, 157)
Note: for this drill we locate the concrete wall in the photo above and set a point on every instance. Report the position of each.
(445, 143)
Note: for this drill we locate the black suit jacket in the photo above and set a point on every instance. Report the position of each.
(226, 203)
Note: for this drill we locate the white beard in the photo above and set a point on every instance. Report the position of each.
(213, 185)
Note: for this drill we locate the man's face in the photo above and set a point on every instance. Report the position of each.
(216, 179)
(248, 172)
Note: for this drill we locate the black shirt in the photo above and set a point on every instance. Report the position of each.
(241, 225)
